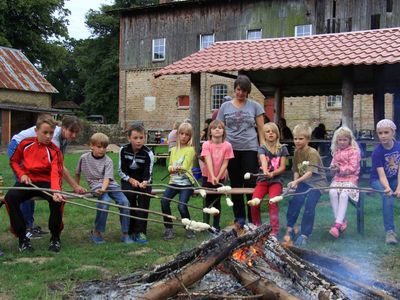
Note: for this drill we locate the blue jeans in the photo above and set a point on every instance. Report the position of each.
(27, 207)
(101, 216)
(387, 203)
(184, 196)
(295, 205)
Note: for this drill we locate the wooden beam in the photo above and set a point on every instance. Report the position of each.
(379, 94)
(277, 104)
(396, 111)
(222, 74)
(347, 96)
(195, 108)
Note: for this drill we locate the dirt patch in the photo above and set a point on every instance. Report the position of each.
(141, 251)
(5, 296)
(29, 260)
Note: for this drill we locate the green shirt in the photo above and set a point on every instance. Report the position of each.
(318, 178)
(183, 158)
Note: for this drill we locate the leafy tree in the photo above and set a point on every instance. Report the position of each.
(33, 27)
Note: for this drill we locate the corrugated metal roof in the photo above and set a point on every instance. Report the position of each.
(18, 73)
(8, 106)
(351, 48)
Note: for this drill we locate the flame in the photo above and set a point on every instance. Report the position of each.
(246, 254)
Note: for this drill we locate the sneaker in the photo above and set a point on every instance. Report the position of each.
(141, 238)
(38, 230)
(97, 239)
(169, 234)
(391, 237)
(301, 241)
(25, 245)
(30, 234)
(343, 226)
(334, 231)
(189, 234)
(126, 239)
(55, 245)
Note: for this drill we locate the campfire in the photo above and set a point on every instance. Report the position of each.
(249, 266)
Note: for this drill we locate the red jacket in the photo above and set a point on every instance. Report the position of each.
(42, 163)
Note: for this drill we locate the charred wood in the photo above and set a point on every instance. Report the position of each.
(195, 271)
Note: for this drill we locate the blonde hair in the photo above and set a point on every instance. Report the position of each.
(302, 129)
(186, 128)
(99, 138)
(214, 124)
(343, 132)
(275, 129)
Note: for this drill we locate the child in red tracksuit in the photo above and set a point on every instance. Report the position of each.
(273, 163)
(37, 161)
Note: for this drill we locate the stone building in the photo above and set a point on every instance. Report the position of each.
(156, 36)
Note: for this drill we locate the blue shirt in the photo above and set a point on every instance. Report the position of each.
(388, 159)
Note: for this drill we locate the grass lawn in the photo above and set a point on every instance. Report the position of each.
(43, 274)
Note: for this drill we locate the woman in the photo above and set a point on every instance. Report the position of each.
(241, 117)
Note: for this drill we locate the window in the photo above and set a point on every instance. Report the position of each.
(334, 102)
(206, 40)
(183, 101)
(303, 30)
(218, 92)
(158, 49)
(254, 34)
(375, 21)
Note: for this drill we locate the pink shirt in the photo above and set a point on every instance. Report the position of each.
(349, 165)
(218, 152)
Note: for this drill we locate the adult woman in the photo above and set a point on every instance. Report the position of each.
(241, 117)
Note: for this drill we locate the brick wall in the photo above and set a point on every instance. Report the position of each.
(27, 98)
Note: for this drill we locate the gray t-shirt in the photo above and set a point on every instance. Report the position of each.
(240, 124)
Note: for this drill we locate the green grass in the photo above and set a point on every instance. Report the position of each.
(51, 276)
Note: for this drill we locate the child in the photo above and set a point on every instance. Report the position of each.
(216, 153)
(98, 169)
(385, 173)
(38, 161)
(273, 164)
(305, 177)
(346, 168)
(70, 128)
(135, 169)
(180, 168)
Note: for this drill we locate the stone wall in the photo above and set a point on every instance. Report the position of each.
(113, 131)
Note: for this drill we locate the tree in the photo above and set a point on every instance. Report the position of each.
(33, 27)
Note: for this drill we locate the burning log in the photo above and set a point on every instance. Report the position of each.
(202, 264)
(346, 275)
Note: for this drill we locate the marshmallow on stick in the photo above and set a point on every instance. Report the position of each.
(229, 202)
(254, 202)
(195, 226)
(211, 211)
(202, 193)
(276, 199)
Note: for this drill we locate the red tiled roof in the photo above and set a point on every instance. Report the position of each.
(351, 48)
(18, 73)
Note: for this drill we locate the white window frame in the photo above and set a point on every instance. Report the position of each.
(202, 36)
(158, 47)
(255, 31)
(303, 30)
(218, 92)
(334, 102)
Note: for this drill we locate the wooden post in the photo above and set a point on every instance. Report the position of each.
(396, 111)
(277, 105)
(347, 96)
(195, 108)
(379, 94)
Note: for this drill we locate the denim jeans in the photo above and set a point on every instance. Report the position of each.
(27, 207)
(184, 196)
(295, 205)
(387, 202)
(101, 216)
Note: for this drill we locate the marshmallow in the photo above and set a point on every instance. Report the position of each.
(247, 176)
(211, 211)
(276, 199)
(202, 193)
(254, 202)
(224, 188)
(229, 202)
(195, 226)
(305, 163)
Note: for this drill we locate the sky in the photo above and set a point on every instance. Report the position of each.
(77, 27)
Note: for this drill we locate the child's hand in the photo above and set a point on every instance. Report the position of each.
(25, 179)
(143, 184)
(134, 182)
(100, 191)
(57, 197)
(79, 190)
(388, 191)
(335, 168)
(292, 185)
(397, 193)
(214, 180)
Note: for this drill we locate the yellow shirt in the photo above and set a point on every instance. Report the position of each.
(183, 158)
